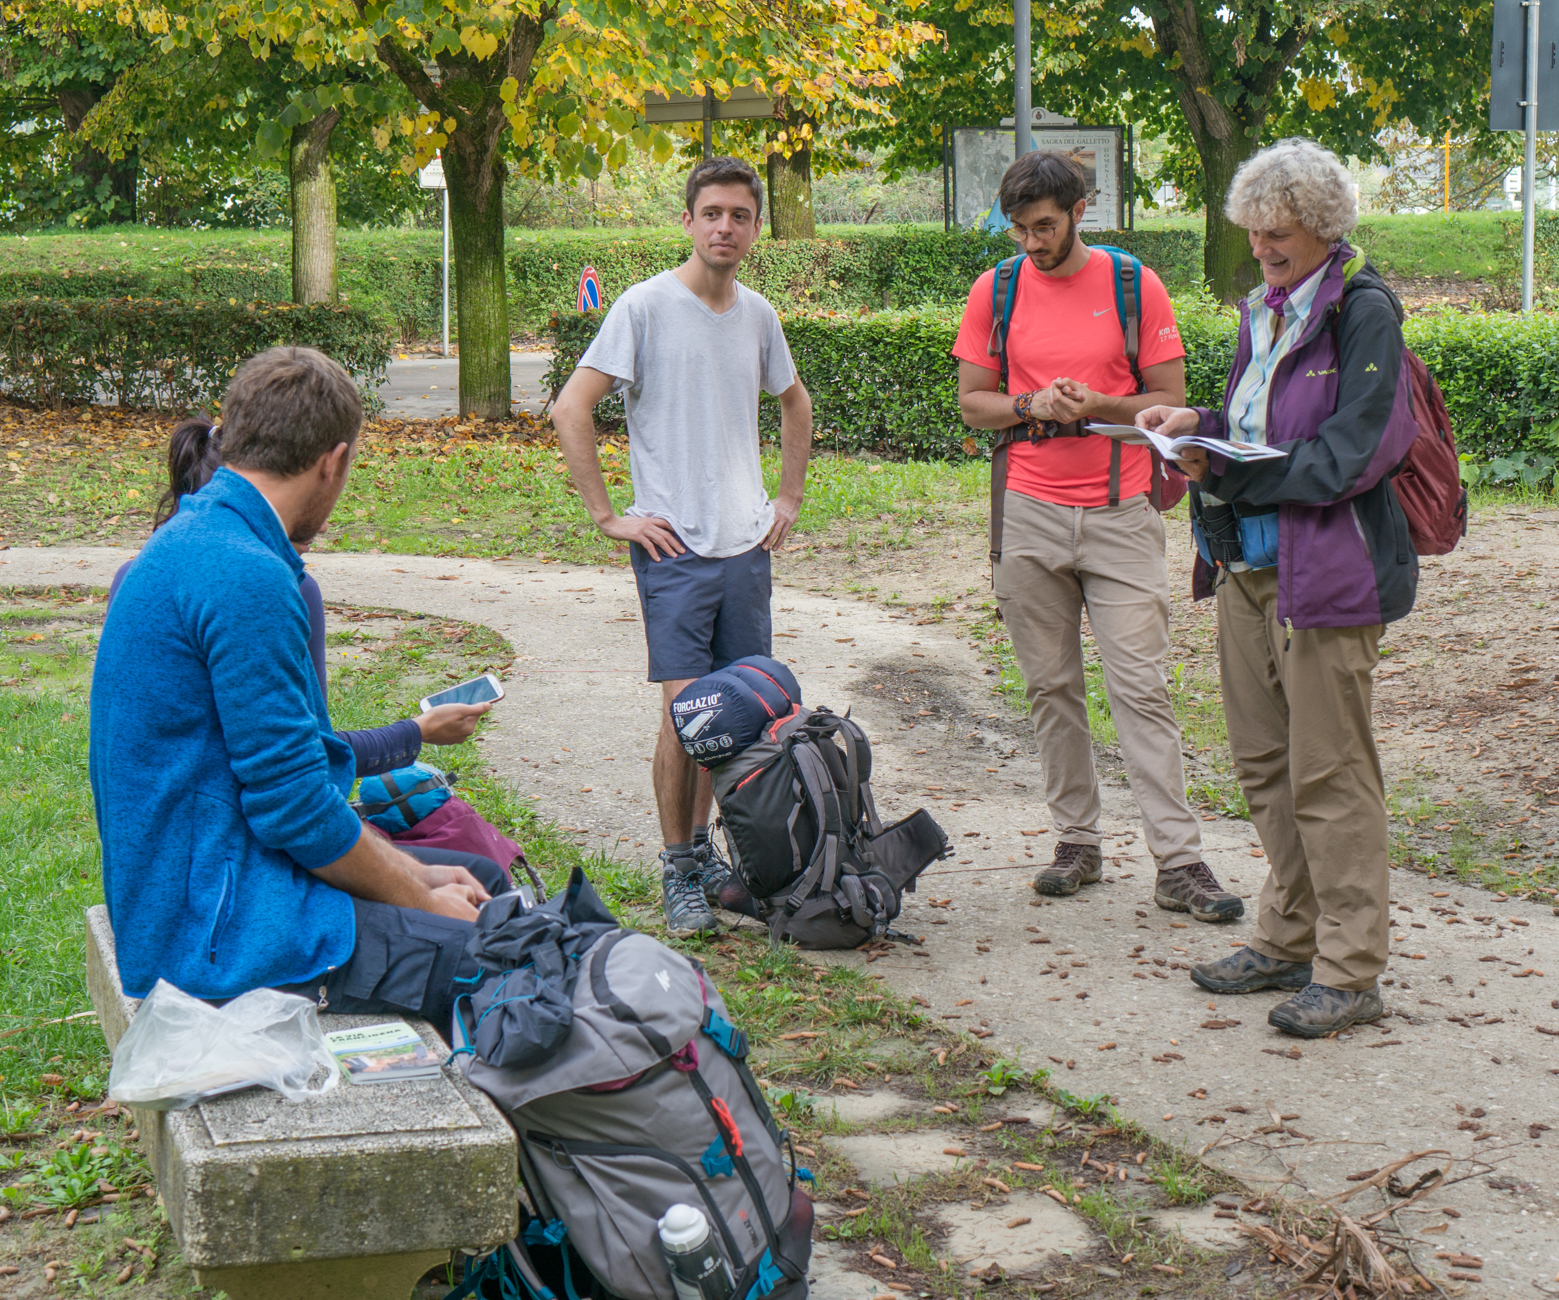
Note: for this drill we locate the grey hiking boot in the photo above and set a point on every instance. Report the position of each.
(1248, 971)
(712, 871)
(1196, 890)
(1075, 865)
(682, 898)
(1317, 1010)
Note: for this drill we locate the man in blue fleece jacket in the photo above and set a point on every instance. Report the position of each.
(231, 857)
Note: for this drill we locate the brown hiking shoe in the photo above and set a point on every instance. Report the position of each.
(1075, 865)
(1196, 890)
(1318, 1010)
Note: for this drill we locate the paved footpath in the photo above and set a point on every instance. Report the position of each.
(1091, 983)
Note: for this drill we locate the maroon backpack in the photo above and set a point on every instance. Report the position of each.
(1428, 482)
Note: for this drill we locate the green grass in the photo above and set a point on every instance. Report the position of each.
(1456, 245)
(1465, 840)
(488, 498)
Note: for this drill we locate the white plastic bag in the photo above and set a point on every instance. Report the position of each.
(179, 1050)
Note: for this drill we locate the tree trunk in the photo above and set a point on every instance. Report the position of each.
(470, 91)
(1226, 257)
(108, 182)
(313, 210)
(1225, 128)
(481, 298)
(790, 196)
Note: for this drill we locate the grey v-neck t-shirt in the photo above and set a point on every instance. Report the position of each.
(690, 379)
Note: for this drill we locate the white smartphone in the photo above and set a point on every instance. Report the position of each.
(479, 690)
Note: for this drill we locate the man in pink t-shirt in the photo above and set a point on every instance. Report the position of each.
(1074, 540)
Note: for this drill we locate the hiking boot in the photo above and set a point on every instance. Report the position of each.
(1248, 971)
(1317, 1010)
(712, 871)
(1196, 890)
(1075, 865)
(682, 898)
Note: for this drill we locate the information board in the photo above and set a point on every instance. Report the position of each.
(981, 155)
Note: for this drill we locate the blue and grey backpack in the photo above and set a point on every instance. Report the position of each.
(398, 800)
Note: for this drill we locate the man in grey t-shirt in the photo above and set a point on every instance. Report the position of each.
(690, 350)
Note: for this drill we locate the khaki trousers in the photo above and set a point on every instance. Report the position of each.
(1055, 562)
(1298, 710)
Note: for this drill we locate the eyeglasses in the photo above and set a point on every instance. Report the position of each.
(1022, 234)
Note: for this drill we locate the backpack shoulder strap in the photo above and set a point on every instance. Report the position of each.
(1128, 301)
(1004, 292)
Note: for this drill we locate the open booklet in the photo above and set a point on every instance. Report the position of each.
(1170, 448)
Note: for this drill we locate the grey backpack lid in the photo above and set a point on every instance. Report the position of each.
(636, 1002)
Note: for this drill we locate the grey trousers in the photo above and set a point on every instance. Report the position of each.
(1057, 561)
(1298, 709)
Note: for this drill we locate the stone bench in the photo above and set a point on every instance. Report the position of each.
(351, 1197)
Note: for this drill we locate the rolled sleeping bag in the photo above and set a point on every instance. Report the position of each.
(722, 713)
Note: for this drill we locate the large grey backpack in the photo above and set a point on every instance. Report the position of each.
(805, 841)
(648, 1103)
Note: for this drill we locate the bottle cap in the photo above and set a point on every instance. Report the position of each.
(682, 1227)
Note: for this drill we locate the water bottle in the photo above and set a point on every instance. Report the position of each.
(698, 1269)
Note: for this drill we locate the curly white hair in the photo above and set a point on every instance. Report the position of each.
(1294, 181)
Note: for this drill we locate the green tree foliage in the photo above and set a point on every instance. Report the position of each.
(54, 70)
(1218, 77)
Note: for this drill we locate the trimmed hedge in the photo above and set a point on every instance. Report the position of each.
(168, 355)
(894, 266)
(396, 277)
(886, 383)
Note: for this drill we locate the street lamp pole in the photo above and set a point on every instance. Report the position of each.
(1023, 94)
(1529, 176)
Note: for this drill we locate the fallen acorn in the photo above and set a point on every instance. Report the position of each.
(1018, 1223)
(997, 1184)
(953, 1151)
(883, 1260)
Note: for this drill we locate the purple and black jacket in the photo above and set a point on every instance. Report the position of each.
(1341, 406)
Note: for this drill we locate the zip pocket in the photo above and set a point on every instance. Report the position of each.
(224, 908)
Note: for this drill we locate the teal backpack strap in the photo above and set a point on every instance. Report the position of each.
(1128, 311)
(1004, 292)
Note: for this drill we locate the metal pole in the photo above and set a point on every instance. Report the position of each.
(1131, 179)
(947, 194)
(709, 124)
(1448, 169)
(446, 268)
(1529, 166)
(1023, 96)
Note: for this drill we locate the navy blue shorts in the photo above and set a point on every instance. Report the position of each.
(405, 961)
(701, 614)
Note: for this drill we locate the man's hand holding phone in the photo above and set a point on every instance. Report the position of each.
(450, 724)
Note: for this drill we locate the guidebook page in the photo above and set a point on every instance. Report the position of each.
(1173, 448)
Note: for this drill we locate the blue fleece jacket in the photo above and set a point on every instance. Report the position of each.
(219, 784)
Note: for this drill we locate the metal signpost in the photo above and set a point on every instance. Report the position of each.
(1022, 68)
(743, 102)
(431, 177)
(1524, 96)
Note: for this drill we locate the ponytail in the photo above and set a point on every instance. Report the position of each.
(194, 453)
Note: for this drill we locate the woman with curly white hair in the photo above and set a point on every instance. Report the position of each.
(1310, 557)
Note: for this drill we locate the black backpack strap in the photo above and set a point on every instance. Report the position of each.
(735, 1149)
(400, 798)
(822, 873)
